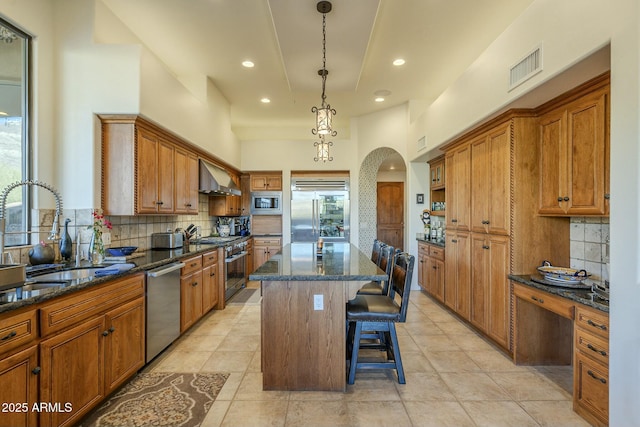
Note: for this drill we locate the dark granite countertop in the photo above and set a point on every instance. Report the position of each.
(431, 242)
(298, 262)
(150, 260)
(582, 296)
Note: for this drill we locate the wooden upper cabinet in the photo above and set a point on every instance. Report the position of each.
(146, 169)
(266, 182)
(574, 144)
(458, 194)
(186, 182)
(490, 181)
(437, 173)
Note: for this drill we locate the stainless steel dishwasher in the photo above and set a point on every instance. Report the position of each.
(163, 307)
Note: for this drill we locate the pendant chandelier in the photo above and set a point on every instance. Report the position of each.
(324, 114)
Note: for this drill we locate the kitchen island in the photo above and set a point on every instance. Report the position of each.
(303, 314)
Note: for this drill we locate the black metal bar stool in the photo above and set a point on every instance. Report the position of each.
(375, 314)
(386, 259)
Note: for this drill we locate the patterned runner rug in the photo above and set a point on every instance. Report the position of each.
(160, 399)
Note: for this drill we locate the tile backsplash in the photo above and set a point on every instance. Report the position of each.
(589, 239)
(126, 231)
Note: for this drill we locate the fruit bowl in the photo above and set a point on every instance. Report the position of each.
(562, 274)
(122, 251)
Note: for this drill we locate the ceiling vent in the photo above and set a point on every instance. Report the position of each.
(526, 68)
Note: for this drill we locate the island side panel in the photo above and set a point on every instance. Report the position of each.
(303, 348)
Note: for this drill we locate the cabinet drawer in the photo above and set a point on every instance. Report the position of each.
(545, 300)
(423, 249)
(191, 264)
(593, 320)
(209, 258)
(591, 387)
(17, 330)
(267, 242)
(592, 345)
(437, 253)
(70, 311)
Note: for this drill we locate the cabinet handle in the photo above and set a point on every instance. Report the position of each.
(194, 264)
(592, 348)
(486, 221)
(36, 370)
(112, 329)
(485, 247)
(560, 198)
(454, 240)
(105, 333)
(9, 335)
(188, 205)
(194, 284)
(212, 274)
(454, 220)
(595, 377)
(540, 300)
(566, 199)
(607, 196)
(595, 325)
(434, 267)
(159, 202)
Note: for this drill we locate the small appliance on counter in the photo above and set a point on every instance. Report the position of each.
(167, 240)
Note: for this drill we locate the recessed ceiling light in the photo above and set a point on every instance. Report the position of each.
(379, 99)
(265, 100)
(248, 64)
(398, 62)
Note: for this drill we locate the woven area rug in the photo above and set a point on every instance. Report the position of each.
(160, 399)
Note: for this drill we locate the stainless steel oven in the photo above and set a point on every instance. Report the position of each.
(234, 267)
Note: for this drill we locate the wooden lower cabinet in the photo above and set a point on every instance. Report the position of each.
(19, 379)
(72, 373)
(457, 282)
(431, 270)
(265, 248)
(190, 299)
(591, 365)
(490, 301)
(83, 363)
(210, 281)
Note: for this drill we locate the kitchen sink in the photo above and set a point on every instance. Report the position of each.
(37, 286)
(79, 273)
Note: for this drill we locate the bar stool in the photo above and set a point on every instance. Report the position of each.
(387, 257)
(375, 252)
(377, 314)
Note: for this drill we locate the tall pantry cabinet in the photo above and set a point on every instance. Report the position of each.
(493, 226)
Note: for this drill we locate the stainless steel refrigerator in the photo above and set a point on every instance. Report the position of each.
(319, 209)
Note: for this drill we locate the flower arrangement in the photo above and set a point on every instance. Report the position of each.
(96, 246)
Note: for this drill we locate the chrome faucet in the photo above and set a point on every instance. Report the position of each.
(55, 231)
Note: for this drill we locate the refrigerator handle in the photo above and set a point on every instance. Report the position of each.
(313, 217)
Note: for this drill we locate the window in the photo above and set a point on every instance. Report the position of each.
(14, 125)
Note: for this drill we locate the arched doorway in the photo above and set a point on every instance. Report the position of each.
(368, 188)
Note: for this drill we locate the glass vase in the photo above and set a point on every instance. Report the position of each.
(96, 249)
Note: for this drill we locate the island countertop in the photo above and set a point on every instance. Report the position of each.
(299, 262)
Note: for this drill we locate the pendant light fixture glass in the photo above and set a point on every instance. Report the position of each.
(324, 113)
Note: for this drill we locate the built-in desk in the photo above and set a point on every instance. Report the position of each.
(303, 314)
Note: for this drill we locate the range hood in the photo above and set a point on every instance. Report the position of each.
(215, 180)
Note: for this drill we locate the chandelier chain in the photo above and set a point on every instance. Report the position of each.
(324, 57)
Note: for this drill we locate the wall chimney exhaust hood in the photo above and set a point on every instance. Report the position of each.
(214, 180)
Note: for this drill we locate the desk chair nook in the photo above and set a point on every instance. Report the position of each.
(371, 315)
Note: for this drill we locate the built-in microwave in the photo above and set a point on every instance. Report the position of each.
(266, 203)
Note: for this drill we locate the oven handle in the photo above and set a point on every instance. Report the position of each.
(162, 271)
(235, 257)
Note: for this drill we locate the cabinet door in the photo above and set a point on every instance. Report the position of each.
(274, 183)
(458, 197)
(422, 271)
(186, 182)
(258, 182)
(457, 293)
(437, 278)
(190, 299)
(586, 154)
(147, 176)
(166, 178)
(553, 158)
(125, 344)
(249, 263)
(73, 357)
(479, 283)
(210, 285)
(498, 297)
(19, 386)
(490, 181)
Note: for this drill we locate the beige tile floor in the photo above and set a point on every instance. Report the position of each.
(454, 378)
